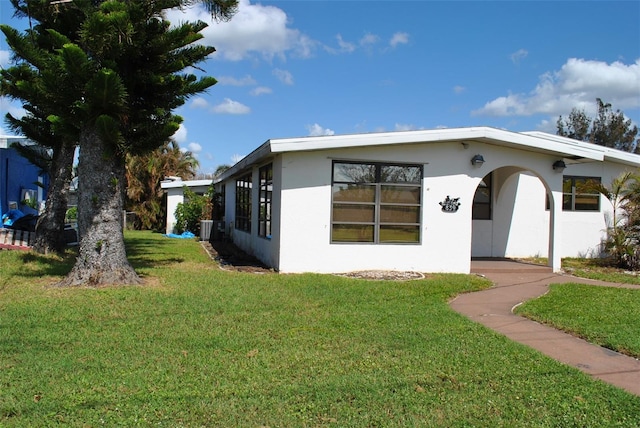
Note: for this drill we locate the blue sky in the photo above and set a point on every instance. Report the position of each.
(299, 68)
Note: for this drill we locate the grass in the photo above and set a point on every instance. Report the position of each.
(599, 270)
(197, 346)
(604, 316)
(592, 268)
(608, 317)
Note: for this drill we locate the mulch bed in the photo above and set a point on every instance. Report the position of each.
(230, 257)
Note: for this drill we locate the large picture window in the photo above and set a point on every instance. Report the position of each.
(576, 195)
(243, 203)
(376, 203)
(266, 192)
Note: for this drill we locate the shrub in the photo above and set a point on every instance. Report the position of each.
(622, 244)
(194, 209)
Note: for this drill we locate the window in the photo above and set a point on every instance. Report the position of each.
(243, 203)
(576, 196)
(266, 192)
(376, 203)
(482, 199)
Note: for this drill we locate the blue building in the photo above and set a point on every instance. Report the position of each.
(22, 184)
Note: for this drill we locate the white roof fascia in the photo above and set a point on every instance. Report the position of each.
(252, 158)
(180, 183)
(532, 141)
(483, 134)
(7, 140)
(622, 157)
(608, 153)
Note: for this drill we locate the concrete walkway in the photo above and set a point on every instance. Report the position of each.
(515, 283)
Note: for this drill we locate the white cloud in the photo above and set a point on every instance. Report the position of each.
(199, 102)
(260, 90)
(255, 29)
(194, 147)
(369, 40)
(399, 39)
(284, 76)
(577, 84)
(10, 106)
(5, 57)
(316, 130)
(232, 81)
(518, 55)
(181, 134)
(228, 106)
(459, 89)
(345, 46)
(404, 127)
(367, 43)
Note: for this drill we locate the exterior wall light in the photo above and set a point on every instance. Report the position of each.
(477, 160)
(559, 165)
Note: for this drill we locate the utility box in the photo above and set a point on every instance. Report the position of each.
(205, 229)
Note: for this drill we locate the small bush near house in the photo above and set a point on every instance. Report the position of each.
(194, 209)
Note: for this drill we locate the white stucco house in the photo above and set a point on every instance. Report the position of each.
(425, 201)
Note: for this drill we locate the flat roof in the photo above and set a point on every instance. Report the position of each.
(534, 141)
(172, 184)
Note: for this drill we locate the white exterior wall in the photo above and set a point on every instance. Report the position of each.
(521, 226)
(175, 196)
(583, 231)
(306, 206)
(524, 216)
(265, 249)
(523, 221)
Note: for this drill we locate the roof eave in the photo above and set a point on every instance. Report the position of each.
(252, 158)
(531, 141)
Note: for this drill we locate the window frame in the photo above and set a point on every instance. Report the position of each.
(378, 224)
(265, 175)
(574, 194)
(243, 203)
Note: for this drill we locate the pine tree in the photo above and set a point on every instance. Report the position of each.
(118, 84)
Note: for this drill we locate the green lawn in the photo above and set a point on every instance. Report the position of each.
(197, 346)
(609, 317)
(599, 270)
(593, 268)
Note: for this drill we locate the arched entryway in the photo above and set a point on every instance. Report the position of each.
(511, 215)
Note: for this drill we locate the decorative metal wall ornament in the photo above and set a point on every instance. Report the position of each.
(450, 205)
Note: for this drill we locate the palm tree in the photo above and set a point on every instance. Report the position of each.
(623, 235)
(144, 174)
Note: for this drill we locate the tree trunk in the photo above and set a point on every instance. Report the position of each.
(50, 226)
(102, 259)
